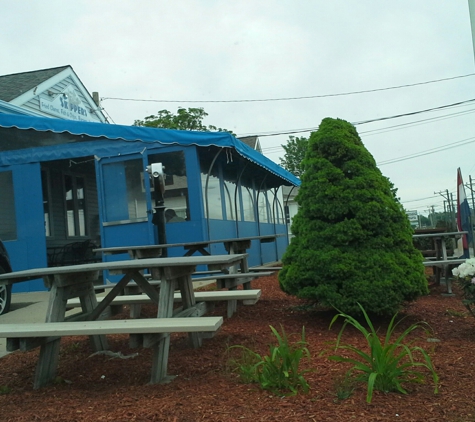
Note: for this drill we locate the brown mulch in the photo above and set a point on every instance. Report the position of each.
(99, 388)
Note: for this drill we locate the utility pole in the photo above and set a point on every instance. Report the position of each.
(454, 216)
(471, 10)
(449, 207)
(470, 186)
(472, 211)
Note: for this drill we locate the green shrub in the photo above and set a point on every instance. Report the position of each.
(387, 365)
(279, 371)
(352, 238)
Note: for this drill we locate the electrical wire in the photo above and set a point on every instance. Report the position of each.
(428, 152)
(415, 123)
(412, 113)
(289, 98)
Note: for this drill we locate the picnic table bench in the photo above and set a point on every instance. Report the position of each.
(223, 281)
(24, 336)
(248, 297)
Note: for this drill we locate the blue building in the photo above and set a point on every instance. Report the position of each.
(64, 181)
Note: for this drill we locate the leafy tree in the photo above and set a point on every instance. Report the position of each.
(184, 119)
(425, 221)
(353, 240)
(294, 154)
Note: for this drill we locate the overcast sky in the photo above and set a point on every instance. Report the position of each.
(205, 50)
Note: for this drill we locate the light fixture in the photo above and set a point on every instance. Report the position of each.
(55, 94)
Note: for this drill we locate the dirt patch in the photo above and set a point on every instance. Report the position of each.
(98, 388)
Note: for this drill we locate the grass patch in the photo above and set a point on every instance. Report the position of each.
(279, 371)
(388, 364)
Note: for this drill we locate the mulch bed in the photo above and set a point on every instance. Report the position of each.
(100, 388)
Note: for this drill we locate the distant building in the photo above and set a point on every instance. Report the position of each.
(253, 142)
(291, 206)
(55, 93)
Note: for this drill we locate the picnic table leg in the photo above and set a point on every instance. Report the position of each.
(232, 306)
(188, 299)
(88, 304)
(49, 352)
(438, 255)
(240, 248)
(160, 351)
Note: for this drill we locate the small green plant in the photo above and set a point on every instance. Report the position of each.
(389, 364)
(279, 371)
(344, 387)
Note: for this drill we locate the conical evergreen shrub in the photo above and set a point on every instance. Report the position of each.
(352, 239)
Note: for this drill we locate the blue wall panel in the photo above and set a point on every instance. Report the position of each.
(127, 234)
(29, 250)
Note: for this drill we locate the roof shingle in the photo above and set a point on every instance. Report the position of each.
(12, 86)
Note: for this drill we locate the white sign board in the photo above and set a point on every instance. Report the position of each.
(66, 105)
(413, 217)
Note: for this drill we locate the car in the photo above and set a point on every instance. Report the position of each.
(5, 290)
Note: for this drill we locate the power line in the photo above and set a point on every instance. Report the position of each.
(412, 113)
(429, 151)
(421, 199)
(288, 98)
(415, 123)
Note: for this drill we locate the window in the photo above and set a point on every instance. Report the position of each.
(124, 191)
(176, 182)
(248, 203)
(8, 230)
(275, 202)
(46, 201)
(263, 207)
(74, 188)
(212, 193)
(229, 195)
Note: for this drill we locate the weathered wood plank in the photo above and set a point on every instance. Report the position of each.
(127, 326)
(205, 296)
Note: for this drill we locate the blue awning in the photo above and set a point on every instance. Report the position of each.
(131, 134)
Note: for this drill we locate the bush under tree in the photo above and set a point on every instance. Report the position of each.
(352, 239)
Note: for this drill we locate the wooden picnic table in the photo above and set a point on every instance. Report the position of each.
(232, 245)
(441, 261)
(237, 245)
(78, 281)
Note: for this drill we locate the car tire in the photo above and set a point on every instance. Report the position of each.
(5, 296)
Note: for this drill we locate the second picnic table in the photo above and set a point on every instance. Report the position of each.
(441, 261)
(237, 245)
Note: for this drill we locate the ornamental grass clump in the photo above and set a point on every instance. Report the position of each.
(388, 364)
(279, 371)
(465, 274)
